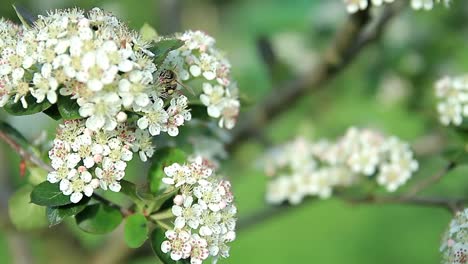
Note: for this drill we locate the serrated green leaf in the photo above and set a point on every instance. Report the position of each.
(23, 214)
(49, 194)
(148, 33)
(161, 159)
(26, 18)
(17, 108)
(55, 215)
(136, 230)
(98, 219)
(68, 108)
(163, 47)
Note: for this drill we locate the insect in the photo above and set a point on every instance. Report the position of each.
(169, 82)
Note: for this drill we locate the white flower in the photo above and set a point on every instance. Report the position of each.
(188, 214)
(78, 184)
(212, 97)
(135, 89)
(178, 244)
(199, 251)
(154, 119)
(101, 112)
(209, 196)
(83, 147)
(177, 175)
(143, 145)
(45, 85)
(109, 175)
(277, 190)
(199, 170)
(229, 113)
(301, 168)
(200, 58)
(355, 5)
(203, 208)
(210, 223)
(454, 246)
(178, 114)
(364, 161)
(61, 173)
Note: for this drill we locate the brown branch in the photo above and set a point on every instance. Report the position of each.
(424, 184)
(451, 204)
(348, 43)
(23, 153)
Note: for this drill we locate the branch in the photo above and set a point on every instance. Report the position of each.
(430, 180)
(451, 204)
(348, 43)
(23, 153)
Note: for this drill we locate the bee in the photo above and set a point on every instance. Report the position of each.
(169, 82)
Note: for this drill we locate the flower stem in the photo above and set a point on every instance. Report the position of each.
(167, 214)
(164, 225)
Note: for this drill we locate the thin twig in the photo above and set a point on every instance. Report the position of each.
(424, 184)
(24, 154)
(451, 204)
(348, 43)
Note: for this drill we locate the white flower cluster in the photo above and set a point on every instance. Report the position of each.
(452, 93)
(78, 153)
(96, 62)
(302, 168)
(204, 210)
(8, 34)
(454, 246)
(353, 6)
(199, 58)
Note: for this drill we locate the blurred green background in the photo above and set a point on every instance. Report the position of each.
(389, 87)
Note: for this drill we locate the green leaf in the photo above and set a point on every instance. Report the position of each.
(68, 108)
(56, 215)
(99, 219)
(162, 198)
(157, 237)
(49, 194)
(148, 33)
(26, 18)
(136, 230)
(130, 189)
(23, 214)
(163, 47)
(456, 154)
(17, 108)
(53, 112)
(163, 158)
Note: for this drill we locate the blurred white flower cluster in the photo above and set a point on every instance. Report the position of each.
(94, 63)
(353, 6)
(302, 168)
(454, 246)
(205, 214)
(452, 93)
(199, 58)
